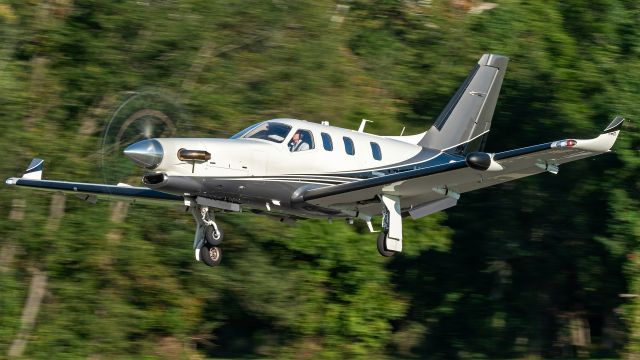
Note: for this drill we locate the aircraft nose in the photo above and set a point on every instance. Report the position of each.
(146, 153)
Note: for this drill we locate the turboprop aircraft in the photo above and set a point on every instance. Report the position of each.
(296, 169)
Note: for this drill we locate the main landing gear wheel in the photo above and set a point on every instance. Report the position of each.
(211, 255)
(382, 248)
(213, 237)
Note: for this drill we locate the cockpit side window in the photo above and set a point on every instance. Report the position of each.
(300, 141)
(270, 130)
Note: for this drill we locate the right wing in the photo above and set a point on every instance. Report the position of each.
(426, 185)
(32, 178)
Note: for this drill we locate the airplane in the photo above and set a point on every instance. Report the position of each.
(295, 169)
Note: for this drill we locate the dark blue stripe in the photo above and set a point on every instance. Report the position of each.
(441, 159)
(521, 151)
(138, 192)
(378, 181)
(438, 165)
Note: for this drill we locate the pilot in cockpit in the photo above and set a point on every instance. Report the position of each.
(299, 142)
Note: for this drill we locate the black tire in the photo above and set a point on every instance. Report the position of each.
(211, 255)
(382, 248)
(213, 238)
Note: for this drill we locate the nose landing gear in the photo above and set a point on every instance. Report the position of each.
(208, 236)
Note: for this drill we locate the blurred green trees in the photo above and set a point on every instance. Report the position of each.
(534, 268)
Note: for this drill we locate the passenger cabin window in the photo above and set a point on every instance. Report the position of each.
(348, 145)
(300, 141)
(272, 131)
(327, 143)
(375, 150)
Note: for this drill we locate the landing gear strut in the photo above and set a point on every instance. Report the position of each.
(208, 236)
(390, 238)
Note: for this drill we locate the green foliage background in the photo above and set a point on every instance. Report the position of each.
(516, 271)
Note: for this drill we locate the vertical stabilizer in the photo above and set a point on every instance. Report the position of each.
(466, 119)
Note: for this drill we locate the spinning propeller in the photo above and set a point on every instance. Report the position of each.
(141, 116)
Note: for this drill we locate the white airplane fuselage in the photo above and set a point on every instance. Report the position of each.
(263, 174)
(257, 157)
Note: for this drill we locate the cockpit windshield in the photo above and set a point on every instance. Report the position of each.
(244, 131)
(268, 130)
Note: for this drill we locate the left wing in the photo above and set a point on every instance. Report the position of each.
(429, 184)
(32, 178)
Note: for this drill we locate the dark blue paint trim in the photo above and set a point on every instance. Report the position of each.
(441, 159)
(36, 165)
(442, 163)
(522, 151)
(86, 188)
(378, 181)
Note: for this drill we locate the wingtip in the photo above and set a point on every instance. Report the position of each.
(605, 140)
(615, 125)
(34, 170)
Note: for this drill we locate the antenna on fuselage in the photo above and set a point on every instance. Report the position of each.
(402, 132)
(362, 125)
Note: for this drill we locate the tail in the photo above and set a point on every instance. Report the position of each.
(465, 121)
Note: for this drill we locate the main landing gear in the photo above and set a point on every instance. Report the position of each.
(208, 238)
(390, 238)
(382, 246)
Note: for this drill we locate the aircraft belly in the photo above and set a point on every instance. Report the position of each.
(265, 194)
(248, 189)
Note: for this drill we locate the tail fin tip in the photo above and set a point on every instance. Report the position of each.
(465, 120)
(494, 60)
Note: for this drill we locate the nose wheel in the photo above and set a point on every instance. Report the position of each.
(208, 237)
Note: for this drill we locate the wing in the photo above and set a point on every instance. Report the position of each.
(430, 185)
(32, 178)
